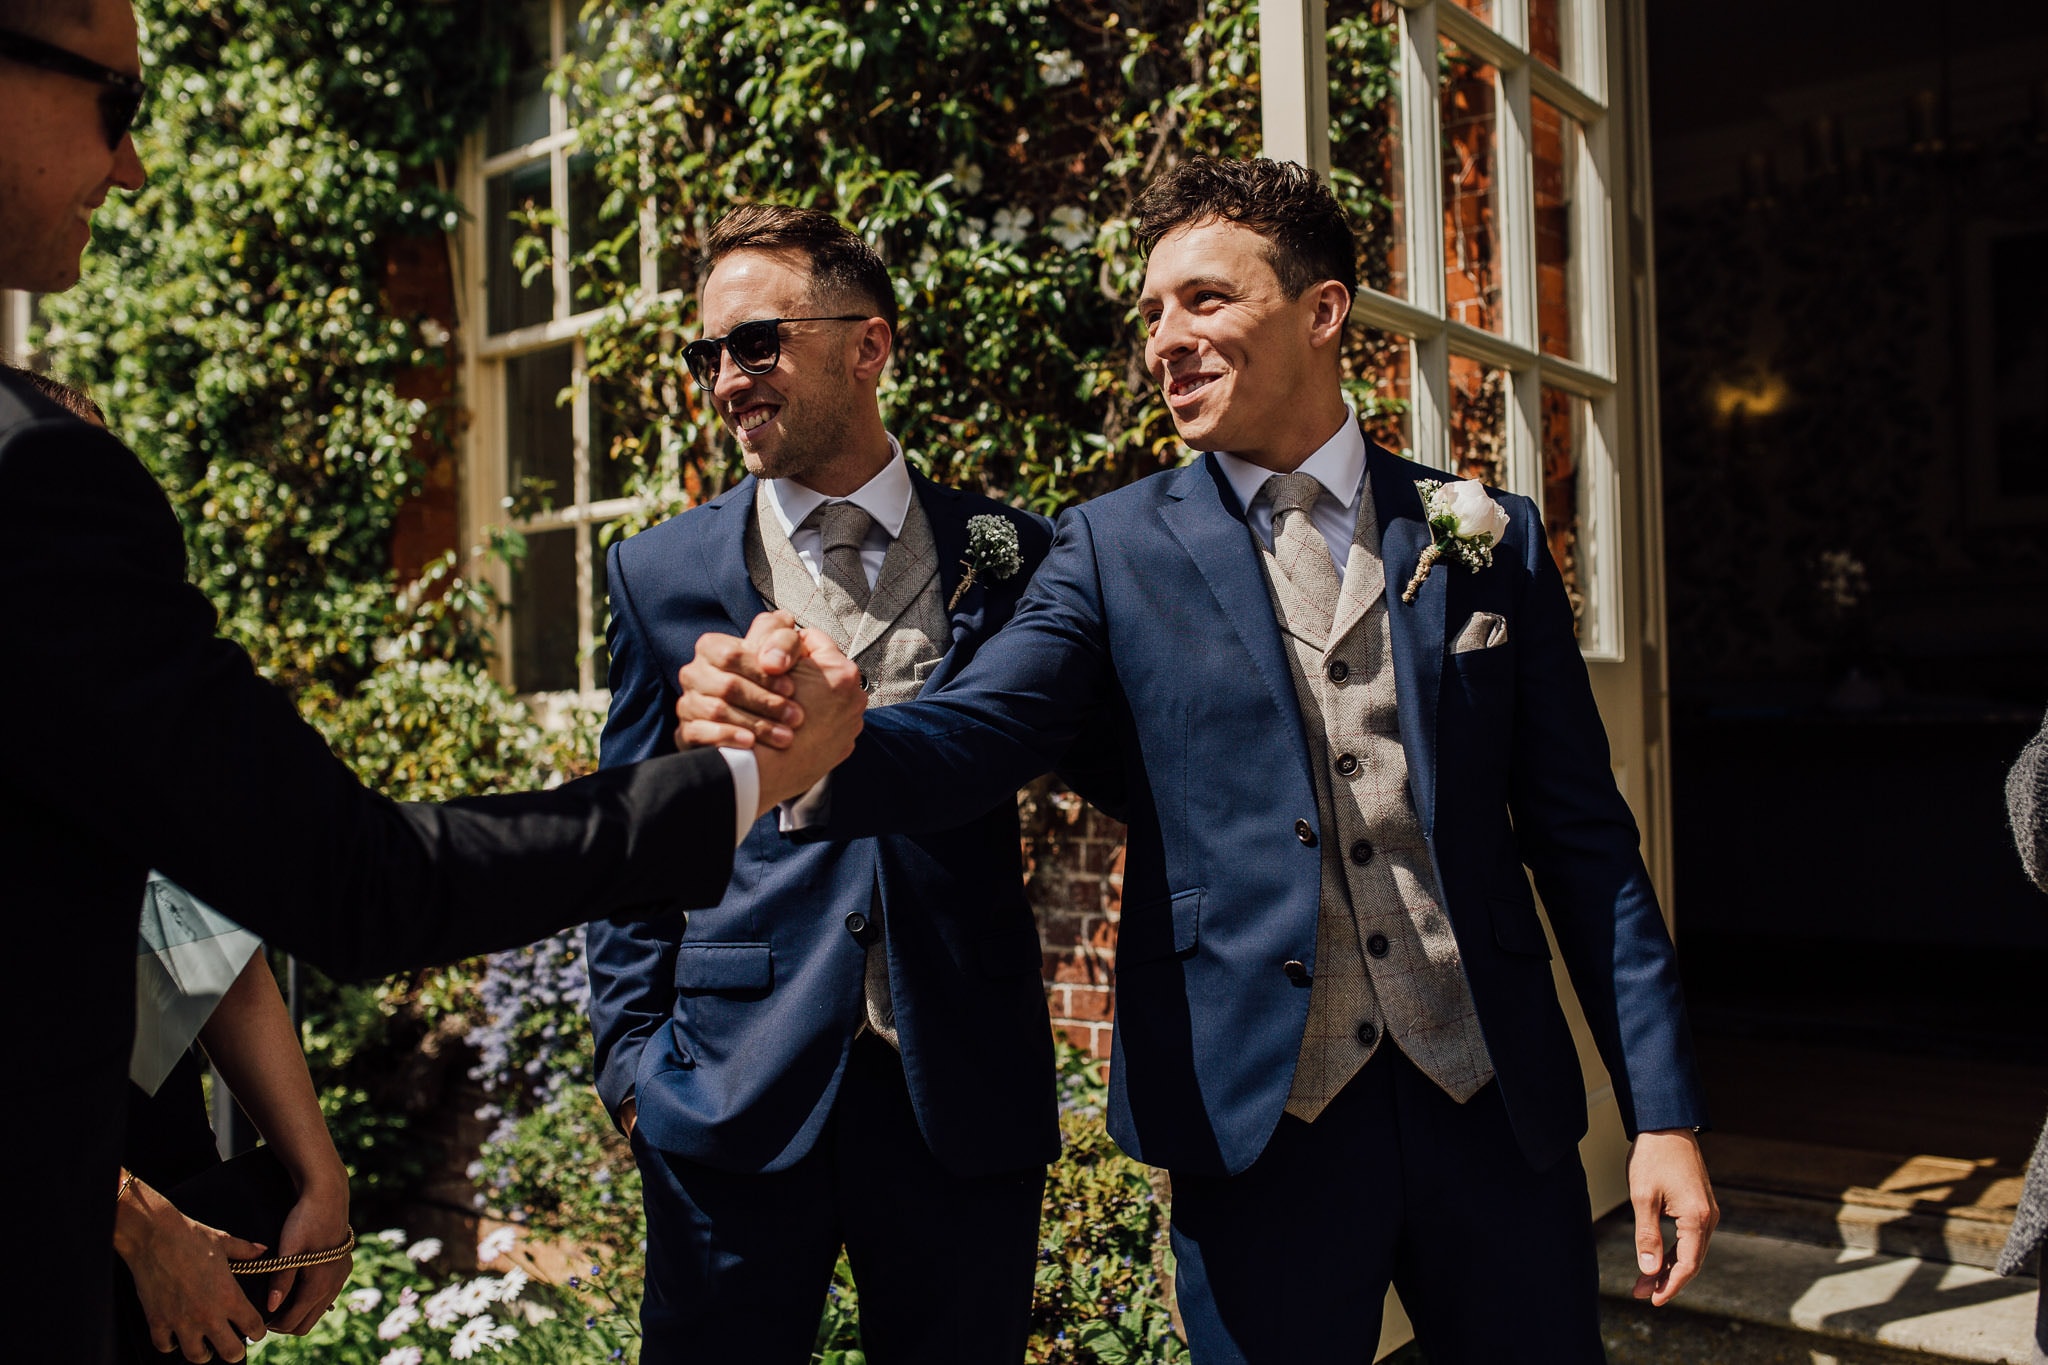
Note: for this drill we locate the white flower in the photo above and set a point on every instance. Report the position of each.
(397, 1322)
(927, 257)
(1059, 67)
(971, 230)
(495, 1244)
(424, 1250)
(364, 1299)
(403, 1355)
(391, 1237)
(459, 1301)
(1010, 226)
(1476, 513)
(479, 1334)
(434, 332)
(510, 1285)
(966, 175)
(1070, 227)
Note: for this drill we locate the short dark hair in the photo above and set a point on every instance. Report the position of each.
(840, 261)
(63, 395)
(1310, 239)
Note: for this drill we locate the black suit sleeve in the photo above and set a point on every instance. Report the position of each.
(134, 720)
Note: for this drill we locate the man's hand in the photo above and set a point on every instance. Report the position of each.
(1668, 1175)
(830, 704)
(736, 693)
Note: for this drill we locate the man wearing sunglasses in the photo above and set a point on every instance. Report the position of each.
(852, 1048)
(147, 741)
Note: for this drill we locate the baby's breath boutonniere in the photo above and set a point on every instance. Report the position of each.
(1465, 522)
(992, 553)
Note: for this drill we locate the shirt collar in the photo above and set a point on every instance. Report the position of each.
(885, 497)
(1338, 465)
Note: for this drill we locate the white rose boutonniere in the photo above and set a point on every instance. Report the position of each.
(993, 553)
(1466, 525)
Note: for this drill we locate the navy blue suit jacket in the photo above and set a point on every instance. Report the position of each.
(1151, 613)
(732, 1037)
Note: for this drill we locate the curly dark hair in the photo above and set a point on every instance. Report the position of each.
(840, 261)
(1309, 238)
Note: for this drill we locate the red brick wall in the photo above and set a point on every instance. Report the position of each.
(1074, 874)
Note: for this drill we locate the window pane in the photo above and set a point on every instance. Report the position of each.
(507, 199)
(1377, 367)
(1467, 94)
(1482, 8)
(544, 630)
(1547, 31)
(614, 442)
(614, 234)
(540, 472)
(1556, 149)
(519, 113)
(1365, 137)
(1479, 411)
(1564, 440)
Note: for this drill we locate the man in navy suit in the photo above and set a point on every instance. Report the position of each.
(852, 1047)
(1336, 1024)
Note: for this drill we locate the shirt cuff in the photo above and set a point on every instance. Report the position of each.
(746, 791)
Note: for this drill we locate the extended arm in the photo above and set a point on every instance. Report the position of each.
(2026, 804)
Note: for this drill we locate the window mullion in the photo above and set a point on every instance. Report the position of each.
(1422, 179)
(1294, 83)
(1515, 194)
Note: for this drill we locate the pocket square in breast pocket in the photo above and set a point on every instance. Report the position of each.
(1485, 630)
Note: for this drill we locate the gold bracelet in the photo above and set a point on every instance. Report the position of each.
(270, 1264)
(127, 1179)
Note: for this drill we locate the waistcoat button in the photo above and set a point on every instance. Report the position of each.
(1347, 764)
(1339, 670)
(1368, 1034)
(1377, 945)
(1361, 852)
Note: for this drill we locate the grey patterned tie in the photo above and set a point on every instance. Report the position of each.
(843, 590)
(1301, 552)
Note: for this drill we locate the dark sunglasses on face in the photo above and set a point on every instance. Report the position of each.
(754, 346)
(120, 93)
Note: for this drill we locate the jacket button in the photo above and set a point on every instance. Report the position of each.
(1361, 852)
(1347, 764)
(1305, 832)
(1377, 945)
(1339, 670)
(1368, 1034)
(1296, 971)
(856, 924)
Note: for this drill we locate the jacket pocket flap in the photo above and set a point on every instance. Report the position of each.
(1009, 953)
(1516, 928)
(724, 967)
(1160, 928)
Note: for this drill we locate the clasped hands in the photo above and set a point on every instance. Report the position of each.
(789, 695)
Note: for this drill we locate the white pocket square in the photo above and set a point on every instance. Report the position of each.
(1485, 630)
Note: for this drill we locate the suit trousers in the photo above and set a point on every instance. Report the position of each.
(1396, 1182)
(739, 1264)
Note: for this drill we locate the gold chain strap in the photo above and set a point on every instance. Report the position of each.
(268, 1265)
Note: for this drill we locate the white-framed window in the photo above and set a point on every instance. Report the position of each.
(537, 449)
(1491, 314)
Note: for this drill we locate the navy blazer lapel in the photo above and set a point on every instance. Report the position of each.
(949, 539)
(1417, 627)
(724, 549)
(1202, 513)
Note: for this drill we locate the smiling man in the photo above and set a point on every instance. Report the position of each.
(1336, 1025)
(852, 1047)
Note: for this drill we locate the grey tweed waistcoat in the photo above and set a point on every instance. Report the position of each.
(900, 637)
(1386, 961)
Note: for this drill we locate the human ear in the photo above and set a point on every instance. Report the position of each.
(872, 349)
(1332, 305)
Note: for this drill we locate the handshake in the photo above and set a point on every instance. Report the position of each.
(787, 694)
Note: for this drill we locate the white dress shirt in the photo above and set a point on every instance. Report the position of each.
(1338, 465)
(886, 498)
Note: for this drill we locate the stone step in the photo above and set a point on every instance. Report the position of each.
(1772, 1301)
(1938, 1208)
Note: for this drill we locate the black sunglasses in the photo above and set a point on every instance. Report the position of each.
(120, 93)
(753, 346)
